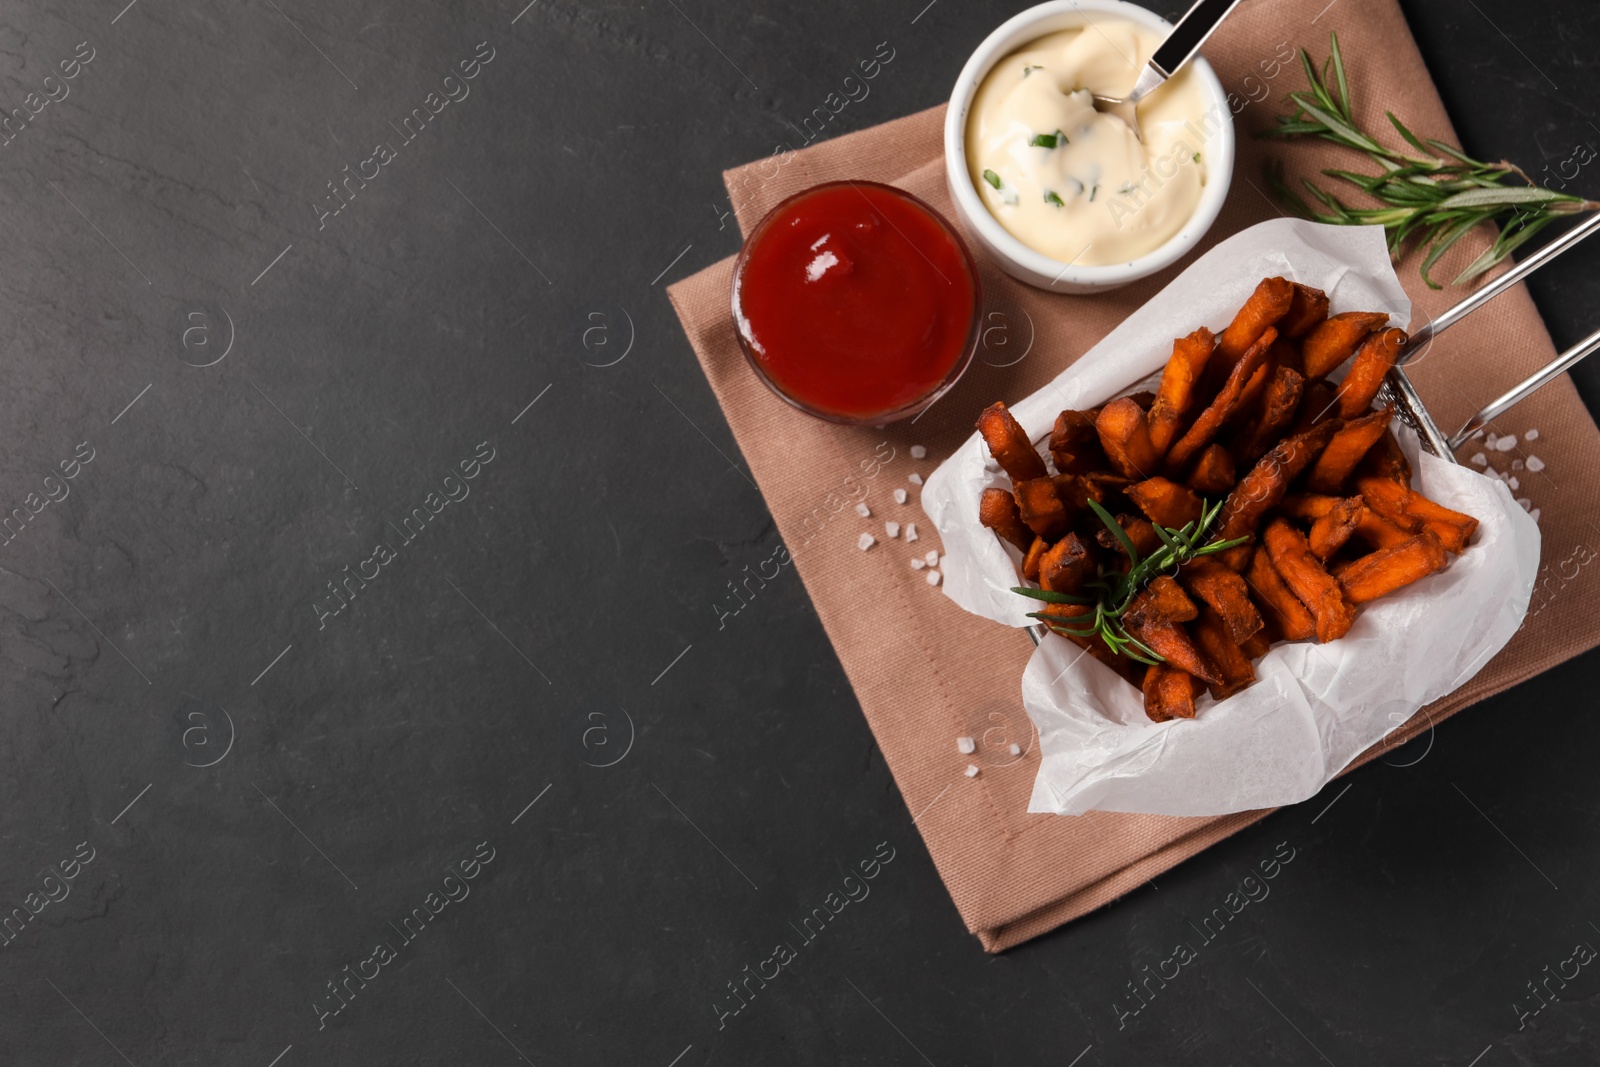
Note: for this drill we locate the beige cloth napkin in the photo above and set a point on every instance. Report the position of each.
(925, 671)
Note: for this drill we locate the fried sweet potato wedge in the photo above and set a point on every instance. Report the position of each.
(1308, 308)
(1140, 531)
(1067, 565)
(1169, 693)
(1075, 444)
(1271, 301)
(1166, 598)
(1318, 403)
(1274, 414)
(1176, 393)
(1388, 460)
(1125, 438)
(1336, 340)
(1214, 472)
(997, 509)
(1225, 592)
(1304, 574)
(1258, 645)
(1165, 502)
(1347, 448)
(1413, 512)
(1154, 618)
(1041, 507)
(1031, 558)
(1369, 526)
(1215, 640)
(1079, 617)
(1382, 572)
(1308, 506)
(1268, 482)
(1210, 421)
(1279, 606)
(1378, 531)
(1009, 445)
(1332, 529)
(1377, 356)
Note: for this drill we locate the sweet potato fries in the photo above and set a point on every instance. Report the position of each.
(1248, 501)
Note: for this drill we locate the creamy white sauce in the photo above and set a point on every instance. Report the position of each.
(1074, 183)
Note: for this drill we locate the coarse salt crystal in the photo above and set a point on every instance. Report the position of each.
(1517, 464)
(1479, 460)
(932, 556)
(864, 511)
(1534, 514)
(1488, 440)
(1535, 464)
(972, 770)
(899, 496)
(1531, 435)
(918, 452)
(1526, 504)
(914, 478)
(1016, 749)
(892, 529)
(917, 564)
(966, 746)
(911, 531)
(933, 577)
(1513, 483)
(1506, 443)
(865, 541)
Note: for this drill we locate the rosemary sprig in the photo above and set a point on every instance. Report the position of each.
(1115, 589)
(1435, 198)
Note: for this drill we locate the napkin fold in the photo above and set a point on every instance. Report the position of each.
(927, 672)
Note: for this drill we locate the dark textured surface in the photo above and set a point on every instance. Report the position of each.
(511, 253)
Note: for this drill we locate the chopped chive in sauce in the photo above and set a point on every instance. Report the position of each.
(1051, 198)
(992, 178)
(1127, 187)
(1029, 70)
(1197, 157)
(1043, 140)
(1095, 190)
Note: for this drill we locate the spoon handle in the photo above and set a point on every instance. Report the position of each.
(1189, 34)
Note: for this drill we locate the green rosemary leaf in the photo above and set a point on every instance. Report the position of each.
(1344, 86)
(1049, 597)
(1116, 530)
(1342, 130)
(1509, 241)
(1504, 197)
(1410, 137)
(1442, 244)
(1454, 152)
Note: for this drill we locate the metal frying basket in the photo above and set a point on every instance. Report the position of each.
(1399, 389)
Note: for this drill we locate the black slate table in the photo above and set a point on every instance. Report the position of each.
(379, 609)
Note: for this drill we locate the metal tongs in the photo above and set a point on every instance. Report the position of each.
(1403, 393)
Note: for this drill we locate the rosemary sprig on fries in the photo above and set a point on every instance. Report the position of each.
(1115, 589)
(1436, 198)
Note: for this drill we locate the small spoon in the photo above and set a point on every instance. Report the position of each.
(1179, 47)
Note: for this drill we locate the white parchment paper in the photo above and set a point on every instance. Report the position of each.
(1315, 707)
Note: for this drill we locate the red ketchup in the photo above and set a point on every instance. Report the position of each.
(856, 302)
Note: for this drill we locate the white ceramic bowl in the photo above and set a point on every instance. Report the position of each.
(1016, 258)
